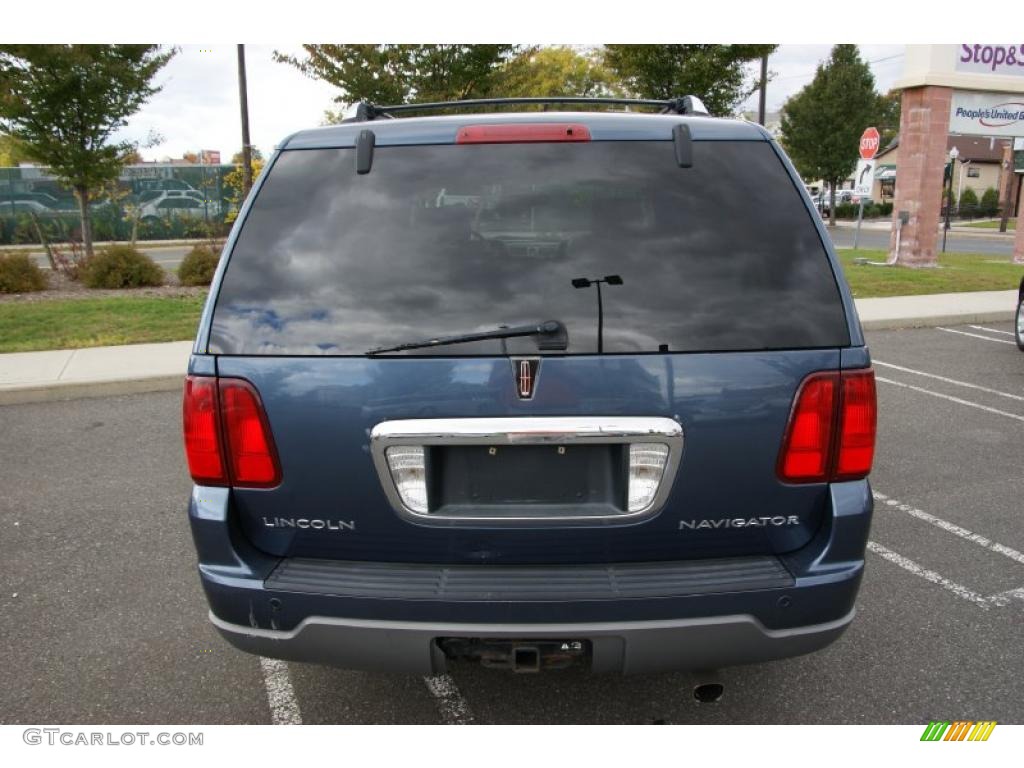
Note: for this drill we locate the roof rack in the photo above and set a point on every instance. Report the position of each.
(685, 105)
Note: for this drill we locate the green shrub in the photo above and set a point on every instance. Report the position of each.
(990, 202)
(968, 198)
(20, 274)
(121, 266)
(198, 266)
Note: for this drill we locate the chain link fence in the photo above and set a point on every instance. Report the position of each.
(150, 201)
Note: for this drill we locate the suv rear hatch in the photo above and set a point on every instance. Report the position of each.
(689, 296)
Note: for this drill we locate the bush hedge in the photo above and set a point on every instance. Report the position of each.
(198, 266)
(969, 199)
(20, 274)
(989, 202)
(121, 266)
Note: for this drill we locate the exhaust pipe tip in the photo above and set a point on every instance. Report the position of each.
(708, 693)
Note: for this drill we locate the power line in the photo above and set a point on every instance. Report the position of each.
(812, 74)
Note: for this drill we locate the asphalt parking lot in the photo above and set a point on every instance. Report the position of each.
(104, 620)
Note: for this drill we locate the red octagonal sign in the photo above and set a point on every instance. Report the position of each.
(869, 141)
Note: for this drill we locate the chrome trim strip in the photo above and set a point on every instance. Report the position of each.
(527, 430)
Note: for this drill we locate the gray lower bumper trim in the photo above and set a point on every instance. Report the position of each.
(629, 647)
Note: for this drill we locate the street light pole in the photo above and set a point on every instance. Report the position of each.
(244, 101)
(583, 282)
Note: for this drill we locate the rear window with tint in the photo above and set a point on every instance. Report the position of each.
(445, 240)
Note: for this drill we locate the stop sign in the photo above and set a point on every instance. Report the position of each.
(869, 141)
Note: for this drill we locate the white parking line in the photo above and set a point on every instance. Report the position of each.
(1002, 599)
(990, 330)
(953, 528)
(957, 382)
(973, 335)
(909, 565)
(979, 406)
(284, 707)
(454, 709)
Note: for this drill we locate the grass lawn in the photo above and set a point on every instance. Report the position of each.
(1010, 225)
(957, 272)
(73, 323)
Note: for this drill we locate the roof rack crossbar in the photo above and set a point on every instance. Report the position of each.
(687, 105)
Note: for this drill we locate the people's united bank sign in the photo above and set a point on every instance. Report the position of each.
(987, 114)
(982, 112)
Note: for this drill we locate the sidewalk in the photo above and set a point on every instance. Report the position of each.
(30, 377)
(885, 225)
(27, 377)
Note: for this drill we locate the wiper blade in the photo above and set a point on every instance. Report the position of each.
(551, 335)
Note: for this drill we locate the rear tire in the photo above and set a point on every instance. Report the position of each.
(1018, 324)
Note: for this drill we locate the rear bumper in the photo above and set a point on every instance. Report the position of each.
(642, 617)
(628, 647)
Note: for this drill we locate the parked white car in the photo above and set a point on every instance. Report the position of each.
(180, 203)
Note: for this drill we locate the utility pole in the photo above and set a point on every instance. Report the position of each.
(764, 87)
(1004, 219)
(246, 149)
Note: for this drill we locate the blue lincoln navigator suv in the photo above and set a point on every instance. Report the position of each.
(533, 389)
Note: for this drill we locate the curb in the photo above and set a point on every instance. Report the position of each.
(79, 390)
(897, 323)
(142, 245)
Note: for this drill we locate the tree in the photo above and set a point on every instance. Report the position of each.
(557, 71)
(63, 103)
(11, 151)
(393, 74)
(888, 121)
(717, 74)
(234, 180)
(822, 124)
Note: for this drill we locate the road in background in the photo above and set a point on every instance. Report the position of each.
(958, 242)
(105, 620)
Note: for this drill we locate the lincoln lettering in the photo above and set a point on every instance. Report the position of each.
(307, 522)
(739, 522)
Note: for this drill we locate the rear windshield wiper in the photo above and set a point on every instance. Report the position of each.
(551, 335)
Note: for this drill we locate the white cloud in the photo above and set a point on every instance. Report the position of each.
(198, 107)
(794, 67)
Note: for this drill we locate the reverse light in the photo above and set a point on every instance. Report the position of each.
(409, 473)
(227, 436)
(646, 468)
(832, 428)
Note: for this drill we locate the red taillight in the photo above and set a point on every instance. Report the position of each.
(519, 133)
(831, 433)
(807, 450)
(227, 437)
(248, 443)
(201, 417)
(856, 426)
